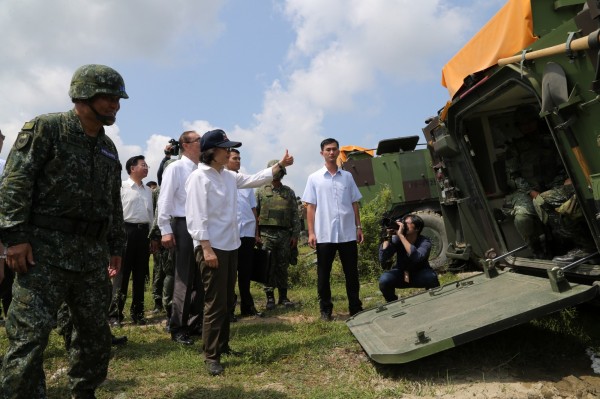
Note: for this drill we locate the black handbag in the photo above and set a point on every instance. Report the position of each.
(261, 264)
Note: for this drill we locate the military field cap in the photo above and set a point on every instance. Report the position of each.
(273, 162)
(217, 138)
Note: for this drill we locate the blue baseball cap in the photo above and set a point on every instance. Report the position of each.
(217, 138)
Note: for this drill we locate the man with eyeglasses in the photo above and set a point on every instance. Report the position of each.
(188, 295)
(138, 213)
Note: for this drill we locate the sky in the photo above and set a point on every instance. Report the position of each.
(273, 74)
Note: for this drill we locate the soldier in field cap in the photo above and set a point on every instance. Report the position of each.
(61, 220)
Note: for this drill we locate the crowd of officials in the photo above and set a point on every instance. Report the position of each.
(74, 235)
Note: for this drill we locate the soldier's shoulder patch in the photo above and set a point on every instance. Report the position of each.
(23, 139)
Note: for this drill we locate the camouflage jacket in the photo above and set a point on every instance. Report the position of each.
(278, 207)
(61, 193)
(533, 163)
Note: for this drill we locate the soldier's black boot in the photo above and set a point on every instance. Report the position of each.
(270, 298)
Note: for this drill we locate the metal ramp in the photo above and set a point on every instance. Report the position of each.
(421, 325)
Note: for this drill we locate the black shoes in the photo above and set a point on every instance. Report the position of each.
(286, 302)
(197, 332)
(326, 316)
(114, 322)
(118, 340)
(139, 321)
(572, 256)
(252, 312)
(182, 339)
(214, 367)
(355, 311)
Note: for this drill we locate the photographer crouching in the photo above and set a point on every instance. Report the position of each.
(412, 267)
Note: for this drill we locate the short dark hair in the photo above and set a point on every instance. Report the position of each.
(206, 157)
(133, 162)
(151, 183)
(417, 221)
(329, 141)
(234, 150)
(184, 138)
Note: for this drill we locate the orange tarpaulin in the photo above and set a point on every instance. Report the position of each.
(507, 33)
(347, 149)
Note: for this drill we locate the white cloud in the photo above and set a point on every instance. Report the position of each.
(341, 48)
(344, 51)
(44, 42)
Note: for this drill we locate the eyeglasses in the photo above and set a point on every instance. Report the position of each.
(193, 141)
(144, 166)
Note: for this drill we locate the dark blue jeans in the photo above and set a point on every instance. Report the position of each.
(394, 278)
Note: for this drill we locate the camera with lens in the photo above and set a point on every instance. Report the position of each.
(174, 149)
(389, 226)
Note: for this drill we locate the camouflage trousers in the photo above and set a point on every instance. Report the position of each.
(278, 242)
(163, 278)
(558, 209)
(526, 220)
(37, 296)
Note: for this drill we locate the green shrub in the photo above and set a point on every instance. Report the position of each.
(370, 219)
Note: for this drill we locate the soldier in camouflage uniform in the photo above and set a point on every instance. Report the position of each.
(62, 221)
(279, 227)
(164, 272)
(559, 210)
(532, 166)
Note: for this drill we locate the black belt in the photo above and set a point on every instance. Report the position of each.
(93, 229)
(138, 225)
(269, 227)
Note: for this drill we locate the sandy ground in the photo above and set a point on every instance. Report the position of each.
(574, 378)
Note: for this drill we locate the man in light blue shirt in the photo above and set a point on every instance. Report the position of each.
(333, 220)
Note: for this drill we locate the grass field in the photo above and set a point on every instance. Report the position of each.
(291, 353)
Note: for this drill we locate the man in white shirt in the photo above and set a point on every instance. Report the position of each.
(246, 217)
(185, 316)
(138, 213)
(333, 221)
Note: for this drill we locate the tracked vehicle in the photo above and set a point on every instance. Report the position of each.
(543, 54)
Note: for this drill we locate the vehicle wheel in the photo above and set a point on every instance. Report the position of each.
(434, 229)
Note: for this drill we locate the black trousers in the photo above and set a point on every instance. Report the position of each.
(188, 293)
(244, 269)
(134, 266)
(348, 252)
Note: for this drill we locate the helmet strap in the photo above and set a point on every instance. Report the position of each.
(104, 119)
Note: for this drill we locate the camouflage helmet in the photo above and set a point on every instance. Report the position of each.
(89, 80)
(281, 173)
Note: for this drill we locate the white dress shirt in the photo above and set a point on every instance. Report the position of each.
(137, 202)
(245, 216)
(171, 200)
(211, 205)
(333, 197)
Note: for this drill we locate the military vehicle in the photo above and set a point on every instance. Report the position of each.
(409, 174)
(543, 54)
